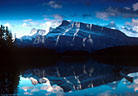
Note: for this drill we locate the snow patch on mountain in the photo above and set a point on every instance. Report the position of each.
(131, 28)
(74, 36)
(112, 25)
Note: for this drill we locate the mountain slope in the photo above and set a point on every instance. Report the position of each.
(77, 36)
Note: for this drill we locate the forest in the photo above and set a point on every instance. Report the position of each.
(6, 40)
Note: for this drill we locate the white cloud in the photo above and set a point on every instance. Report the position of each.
(24, 25)
(102, 15)
(131, 28)
(116, 12)
(30, 24)
(58, 17)
(51, 23)
(54, 4)
(56, 21)
(33, 23)
(27, 20)
(46, 26)
(127, 8)
(47, 23)
(134, 22)
(112, 25)
(135, 28)
(135, 6)
(109, 12)
(8, 25)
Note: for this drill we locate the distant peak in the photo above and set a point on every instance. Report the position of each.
(65, 23)
(41, 32)
(35, 31)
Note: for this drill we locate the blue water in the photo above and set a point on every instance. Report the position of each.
(88, 78)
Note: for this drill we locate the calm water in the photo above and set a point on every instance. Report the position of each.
(87, 78)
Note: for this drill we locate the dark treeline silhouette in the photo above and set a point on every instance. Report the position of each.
(121, 55)
(6, 40)
(12, 55)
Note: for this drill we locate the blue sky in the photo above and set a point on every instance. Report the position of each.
(23, 15)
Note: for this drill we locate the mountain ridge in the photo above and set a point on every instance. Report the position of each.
(73, 36)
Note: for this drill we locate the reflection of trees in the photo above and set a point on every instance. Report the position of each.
(8, 82)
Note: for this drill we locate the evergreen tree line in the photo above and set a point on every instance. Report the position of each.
(6, 40)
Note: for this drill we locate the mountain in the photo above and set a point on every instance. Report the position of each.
(35, 38)
(112, 25)
(76, 36)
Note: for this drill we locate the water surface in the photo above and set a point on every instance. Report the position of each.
(72, 78)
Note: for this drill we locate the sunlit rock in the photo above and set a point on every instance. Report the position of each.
(53, 89)
(76, 36)
(34, 81)
(134, 84)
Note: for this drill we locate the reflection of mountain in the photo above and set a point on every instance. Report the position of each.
(71, 72)
(77, 36)
(79, 75)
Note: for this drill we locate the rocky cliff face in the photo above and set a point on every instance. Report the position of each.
(77, 36)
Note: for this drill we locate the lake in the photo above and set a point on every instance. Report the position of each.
(85, 77)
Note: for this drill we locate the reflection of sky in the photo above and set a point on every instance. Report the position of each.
(26, 87)
(121, 88)
(22, 16)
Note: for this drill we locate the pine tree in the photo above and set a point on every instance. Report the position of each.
(2, 43)
(5, 38)
(8, 38)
